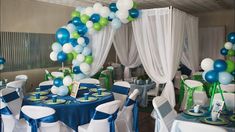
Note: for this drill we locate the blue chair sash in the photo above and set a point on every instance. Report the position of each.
(35, 123)
(10, 97)
(135, 113)
(111, 118)
(45, 87)
(88, 85)
(5, 111)
(120, 89)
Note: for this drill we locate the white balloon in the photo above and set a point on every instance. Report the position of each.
(63, 90)
(233, 46)
(80, 40)
(122, 14)
(124, 4)
(53, 56)
(78, 77)
(54, 89)
(104, 12)
(56, 47)
(228, 45)
(85, 68)
(79, 8)
(1, 66)
(207, 64)
(89, 24)
(75, 62)
(78, 49)
(67, 81)
(97, 7)
(89, 11)
(71, 28)
(83, 12)
(67, 48)
(124, 21)
(80, 57)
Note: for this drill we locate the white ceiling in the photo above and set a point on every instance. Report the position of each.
(191, 6)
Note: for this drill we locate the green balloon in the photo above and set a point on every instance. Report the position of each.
(84, 18)
(103, 21)
(230, 66)
(75, 35)
(97, 26)
(74, 54)
(231, 52)
(69, 57)
(88, 59)
(75, 14)
(130, 18)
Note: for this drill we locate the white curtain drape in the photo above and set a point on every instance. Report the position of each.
(101, 44)
(125, 47)
(190, 55)
(159, 36)
(211, 37)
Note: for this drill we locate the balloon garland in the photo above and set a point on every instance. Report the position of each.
(73, 42)
(2, 62)
(220, 71)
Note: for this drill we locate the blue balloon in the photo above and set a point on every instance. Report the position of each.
(76, 69)
(113, 7)
(73, 42)
(134, 13)
(82, 29)
(76, 21)
(62, 57)
(58, 82)
(211, 76)
(225, 78)
(224, 51)
(220, 65)
(86, 40)
(2, 60)
(231, 37)
(62, 35)
(116, 23)
(95, 18)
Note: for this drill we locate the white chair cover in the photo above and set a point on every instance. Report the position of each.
(229, 100)
(90, 80)
(228, 88)
(24, 78)
(125, 117)
(10, 111)
(119, 96)
(36, 112)
(101, 125)
(163, 113)
(183, 126)
(18, 86)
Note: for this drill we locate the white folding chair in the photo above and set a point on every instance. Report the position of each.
(127, 120)
(229, 100)
(57, 74)
(44, 116)
(104, 116)
(90, 80)
(18, 86)
(163, 113)
(184, 126)
(10, 111)
(230, 88)
(120, 91)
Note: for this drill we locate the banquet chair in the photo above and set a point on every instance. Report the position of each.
(21, 77)
(229, 99)
(184, 126)
(44, 116)
(18, 86)
(163, 114)
(230, 88)
(127, 120)
(90, 80)
(120, 91)
(57, 74)
(10, 111)
(103, 119)
(45, 85)
(194, 93)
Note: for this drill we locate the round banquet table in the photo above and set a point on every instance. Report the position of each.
(73, 113)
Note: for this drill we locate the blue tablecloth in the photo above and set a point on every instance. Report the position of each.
(73, 113)
(184, 117)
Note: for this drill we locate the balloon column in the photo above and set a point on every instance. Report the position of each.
(73, 43)
(2, 62)
(220, 71)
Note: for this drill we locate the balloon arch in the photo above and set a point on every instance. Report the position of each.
(73, 42)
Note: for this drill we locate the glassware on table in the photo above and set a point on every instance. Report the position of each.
(99, 91)
(38, 89)
(54, 98)
(1, 82)
(196, 108)
(214, 116)
(37, 95)
(86, 96)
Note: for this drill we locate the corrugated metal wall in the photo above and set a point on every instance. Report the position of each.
(26, 50)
